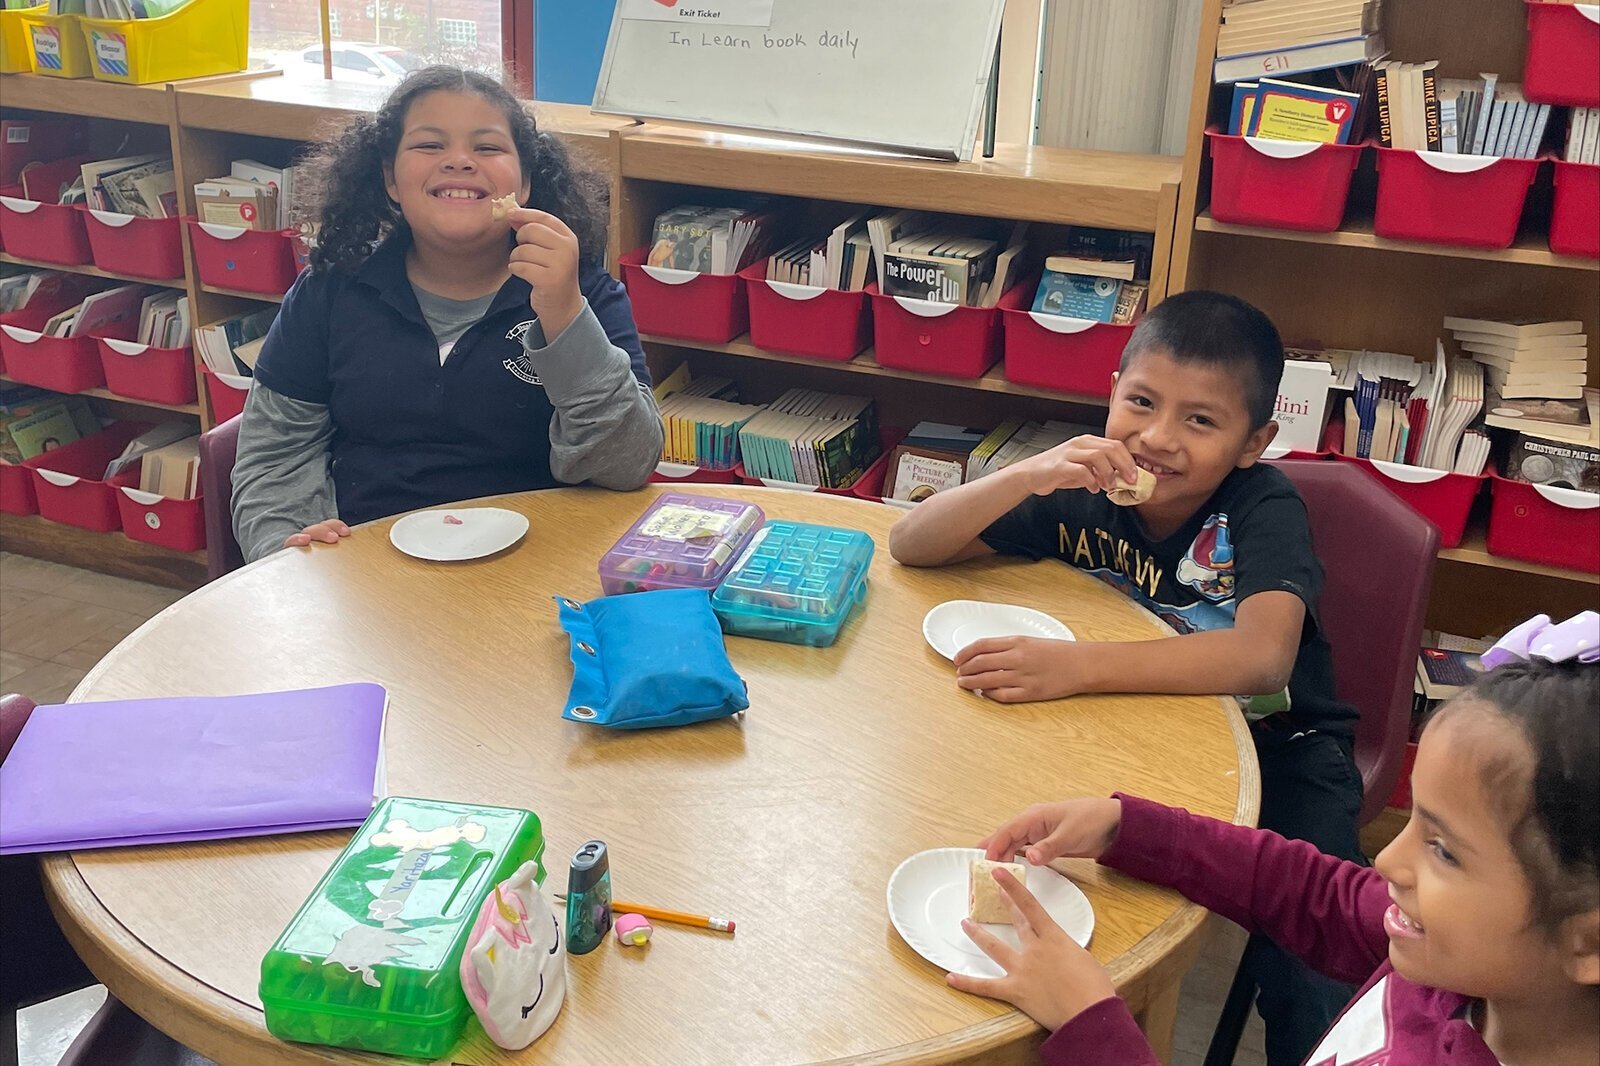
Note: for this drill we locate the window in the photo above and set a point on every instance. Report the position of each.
(333, 24)
(458, 32)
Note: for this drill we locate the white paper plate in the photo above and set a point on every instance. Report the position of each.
(453, 534)
(954, 624)
(928, 899)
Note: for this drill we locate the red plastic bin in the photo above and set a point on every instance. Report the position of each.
(140, 247)
(681, 474)
(1469, 200)
(686, 304)
(47, 233)
(869, 486)
(227, 394)
(67, 480)
(935, 338)
(1442, 497)
(1544, 524)
(16, 489)
(1057, 352)
(808, 320)
(1257, 181)
(1563, 65)
(1575, 218)
(176, 524)
(61, 364)
(145, 372)
(248, 260)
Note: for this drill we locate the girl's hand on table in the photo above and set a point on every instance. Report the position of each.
(1049, 977)
(328, 531)
(1047, 831)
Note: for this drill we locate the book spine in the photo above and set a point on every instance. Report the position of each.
(1385, 118)
(1430, 103)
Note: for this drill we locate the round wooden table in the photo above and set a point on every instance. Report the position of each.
(850, 759)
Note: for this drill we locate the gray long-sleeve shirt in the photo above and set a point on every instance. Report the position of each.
(605, 429)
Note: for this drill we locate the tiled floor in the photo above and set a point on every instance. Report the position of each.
(56, 623)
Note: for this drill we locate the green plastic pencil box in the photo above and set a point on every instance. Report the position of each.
(372, 960)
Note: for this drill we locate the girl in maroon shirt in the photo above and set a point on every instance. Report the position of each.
(1475, 936)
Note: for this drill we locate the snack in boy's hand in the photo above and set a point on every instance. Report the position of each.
(984, 900)
(1125, 495)
(502, 206)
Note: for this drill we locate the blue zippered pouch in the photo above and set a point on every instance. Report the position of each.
(649, 659)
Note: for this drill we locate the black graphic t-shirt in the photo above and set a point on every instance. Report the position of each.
(1251, 536)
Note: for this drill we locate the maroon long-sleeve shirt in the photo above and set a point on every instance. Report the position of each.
(1326, 911)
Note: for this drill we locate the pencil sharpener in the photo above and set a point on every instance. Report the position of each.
(588, 898)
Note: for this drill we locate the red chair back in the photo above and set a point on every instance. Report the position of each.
(219, 446)
(1378, 555)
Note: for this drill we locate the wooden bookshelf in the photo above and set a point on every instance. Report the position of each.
(1527, 251)
(91, 270)
(193, 410)
(1353, 289)
(108, 553)
(241, 294)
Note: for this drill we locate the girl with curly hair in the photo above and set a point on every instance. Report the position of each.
(439, 348)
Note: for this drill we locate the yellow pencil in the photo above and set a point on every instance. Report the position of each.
(699, 921)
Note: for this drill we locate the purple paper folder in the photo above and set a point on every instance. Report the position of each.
(101, 775)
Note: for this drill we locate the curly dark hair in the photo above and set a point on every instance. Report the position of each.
(344, 176)
(1552, 805)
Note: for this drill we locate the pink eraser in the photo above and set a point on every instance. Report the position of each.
(632, 929)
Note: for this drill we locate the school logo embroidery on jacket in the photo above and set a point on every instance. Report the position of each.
(522, 366)
(1361, 1036)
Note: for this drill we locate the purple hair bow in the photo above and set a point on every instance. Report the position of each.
(1537, 638)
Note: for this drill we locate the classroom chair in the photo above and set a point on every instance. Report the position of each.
(219, 446)
(1378, 556)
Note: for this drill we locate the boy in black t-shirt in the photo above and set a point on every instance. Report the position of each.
(1221, 552)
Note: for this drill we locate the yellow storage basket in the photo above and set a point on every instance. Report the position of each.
(58, 48)
(16, 54)
(202, 37)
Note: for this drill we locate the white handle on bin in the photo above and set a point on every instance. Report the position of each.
(1062, 323)
(24, 336)
(671, 275)
(143, 499)
(111, 218)
(1410, 475)
(125, 347)
(21, 206)
(1451, 163)
(792, 486)
(790, 290)
(675, 470)
(233, 381)
(1276, 149)
(1571, 499)
(56, 477)
(925, 308)
(1588, 11)
(223, 233)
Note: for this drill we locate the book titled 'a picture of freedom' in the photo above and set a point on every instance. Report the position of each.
(97, 775)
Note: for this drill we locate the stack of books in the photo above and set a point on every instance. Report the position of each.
(251, 195)
(1537, 372)
(1100, 276)
(1462, 116)
(1296, 111)
(144, 185)
(811, 438)
(1424, 414)
(712, 240)
(164, 320)
(841, 259)
(936, 456)
(33, 421)
(22, 287)
(1279, 37)
(232, 346)
(701, 420)
(109, 313)
(1583, 136)
(1012, 441)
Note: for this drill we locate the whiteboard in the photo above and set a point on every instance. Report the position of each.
(907, 75)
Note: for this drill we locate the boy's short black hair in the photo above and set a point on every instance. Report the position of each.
(1218, 330)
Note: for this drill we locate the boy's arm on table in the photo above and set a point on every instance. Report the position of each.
(945, 528)
(1254, 657)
